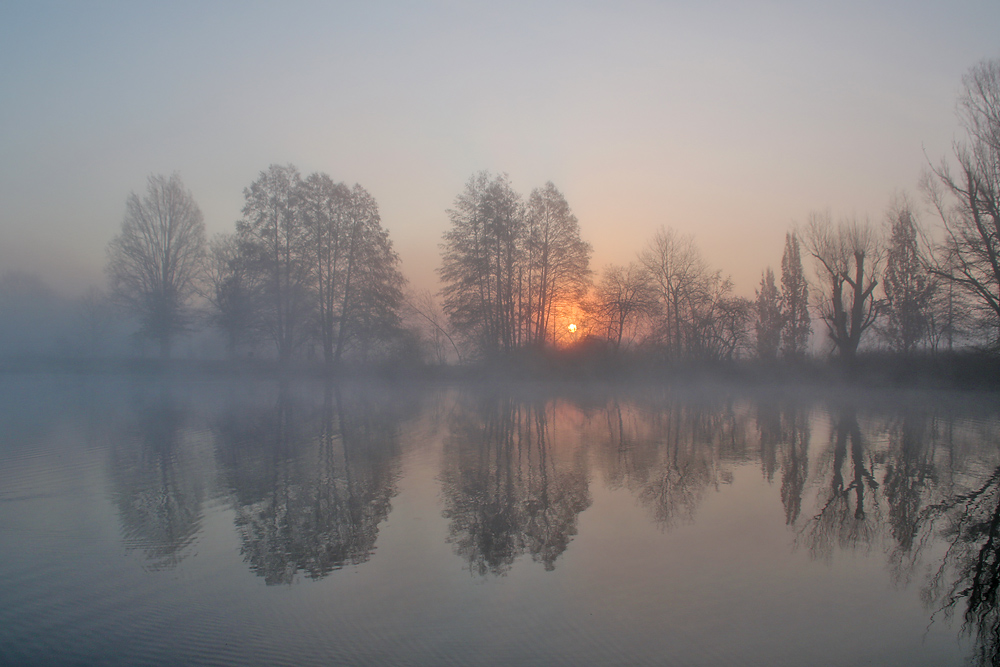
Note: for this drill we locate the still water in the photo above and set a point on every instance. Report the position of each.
(251, 522)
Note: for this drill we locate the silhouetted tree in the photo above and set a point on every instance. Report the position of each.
(848, 257)
(695, 314)
(557, 266)
(480, 264)
(794, 301)
(971, 210)
(509, 269)
(909, 288)
(372, 283)
(623, 300)
(769, 321)
(155, 262)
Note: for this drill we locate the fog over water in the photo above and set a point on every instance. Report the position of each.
(151, 521)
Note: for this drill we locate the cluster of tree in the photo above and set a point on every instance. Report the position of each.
(309, 263)
(309, 268)
(509, 267)
(669, 300)
(914, 293)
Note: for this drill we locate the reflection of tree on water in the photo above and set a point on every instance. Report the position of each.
(970, 569)
(311, 484)
(668, 456)
(507, 489)
(909, 482)
(932, 488)
(784, 440)
(846, 518)
(158, 497)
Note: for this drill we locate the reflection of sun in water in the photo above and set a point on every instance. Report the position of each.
(572, 328)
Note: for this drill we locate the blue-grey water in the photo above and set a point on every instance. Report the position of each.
(216, 522)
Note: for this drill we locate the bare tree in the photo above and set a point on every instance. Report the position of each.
(969, 201)
(769, 319)
(425, 316)
(909, 287)
(480, 264)
(848, 259)
(623, 299)
(325, 208)
(372, 292)
(695, 315)
(794, 301)
(235, 290)
(677, 276)
(155, 262)
(557, 262)
(272, 233)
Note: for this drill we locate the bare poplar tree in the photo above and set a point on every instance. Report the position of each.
(155, 262)
(969, 201)
(848, 258)
(794, 301)
(909, 287)
(769, 322)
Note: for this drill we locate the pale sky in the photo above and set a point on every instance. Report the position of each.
(731, 121)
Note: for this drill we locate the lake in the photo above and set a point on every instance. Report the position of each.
(150, 521)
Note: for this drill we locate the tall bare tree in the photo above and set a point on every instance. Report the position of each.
(909, 286)
(271, 231)
(372, 292)
(969, 200)
(623, 299)
(480, 264)
(695, 315)
(325, 210)
(557, 262)
(794, 301)
(769, 318)
(155, 262)
(848, 258)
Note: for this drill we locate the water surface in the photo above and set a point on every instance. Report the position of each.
(150, 521)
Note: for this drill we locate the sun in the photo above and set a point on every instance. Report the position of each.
(572, 328)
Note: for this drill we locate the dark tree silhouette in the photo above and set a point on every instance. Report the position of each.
(909, 287)
(769, 320)
(507, 268)
(848, 258)
(794, 301)
(969, 201)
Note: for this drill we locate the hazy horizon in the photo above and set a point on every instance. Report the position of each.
(728, 122)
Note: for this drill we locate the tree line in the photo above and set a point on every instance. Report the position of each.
(308, 271)
(307, 265)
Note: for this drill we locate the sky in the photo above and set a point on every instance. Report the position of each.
(731, 121)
